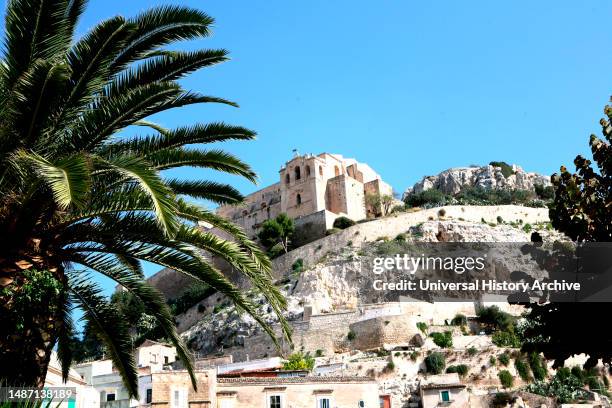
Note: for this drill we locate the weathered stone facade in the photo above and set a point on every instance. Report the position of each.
(313, 190)
(170, 385)
(297, 392)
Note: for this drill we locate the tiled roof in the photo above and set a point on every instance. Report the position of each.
(441, 386)
(292, 380)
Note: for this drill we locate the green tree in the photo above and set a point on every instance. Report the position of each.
(506, 379)
(435, 362)
(581, 210)
(78, 193)
(444, 340)
(277, 231)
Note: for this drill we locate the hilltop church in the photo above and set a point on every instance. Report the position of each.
(314, 191)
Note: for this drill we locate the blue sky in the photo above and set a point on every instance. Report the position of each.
(411, 88)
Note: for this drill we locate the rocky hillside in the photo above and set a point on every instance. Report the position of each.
(497, 175)
(335, 280)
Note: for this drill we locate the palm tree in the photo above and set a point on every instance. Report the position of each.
(80, 197)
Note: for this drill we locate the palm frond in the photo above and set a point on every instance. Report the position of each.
(68, 179)
(206, 190)
(139, 171)
(30, 102)
(211, 159)
(34, 29)
(64, 342)
(196, 214)
(153, 300)
(109, 325)
(165, 66)
(168, 139)
(160, 26)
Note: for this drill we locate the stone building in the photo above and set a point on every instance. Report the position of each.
(297, 392)
(314, 191)
(444, 390)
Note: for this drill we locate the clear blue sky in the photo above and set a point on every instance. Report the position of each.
(411, 88)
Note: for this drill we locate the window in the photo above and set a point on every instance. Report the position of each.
(179, 398)
(445, 396)
(153, 358)
(166, 361)
(149, 396)
(324, 403)
(287, 179)
(274, 401)
(110, 397)
(320, 170)
(298, 199)
(227, 403)
(297, 173)
(307, 171)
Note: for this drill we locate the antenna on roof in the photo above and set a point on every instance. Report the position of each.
(295, 153)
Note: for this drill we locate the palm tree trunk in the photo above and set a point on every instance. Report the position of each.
(31, 316)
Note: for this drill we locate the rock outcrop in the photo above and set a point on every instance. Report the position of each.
(452, 181)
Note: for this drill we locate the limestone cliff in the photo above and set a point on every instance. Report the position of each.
(453, 180)
(332, 285)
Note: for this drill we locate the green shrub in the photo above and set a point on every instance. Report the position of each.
(459, 320)
(545, 193)
(422, 326)
(460, 369)
(527, 228)
(500, 220)
(193, 295)
(444, 340)
(319, 353)
(579, 373)
(495, 319)
(299, 361)
(595, 384)
(401, 237)
(506, 339)
(390, 366)
(414, 355)
(275, 251)
(538, 368)
(522, 369)
(351, 335)
(428, 198)
(564, 387)
(504, 359)
(343, 222)
(435, 362)
(492, 360)
(441, 212)
(472, 351)
(506, 169)
(298, 265)
(506, 379)
(332, 231)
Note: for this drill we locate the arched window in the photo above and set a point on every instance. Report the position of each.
(336, 171)
(298, 199)
(307, 171)
(320, 170)
(297, 173)
(287, 178)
